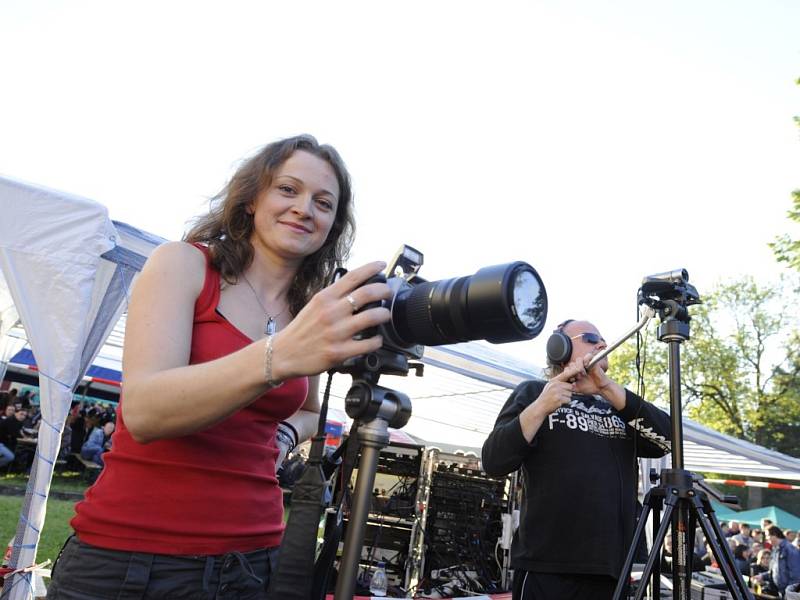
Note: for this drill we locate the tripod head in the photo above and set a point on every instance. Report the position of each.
(670, 294)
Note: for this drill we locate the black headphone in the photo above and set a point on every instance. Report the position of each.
(559, 346)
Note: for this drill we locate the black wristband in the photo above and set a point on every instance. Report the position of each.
(288, 428)
(284, 439)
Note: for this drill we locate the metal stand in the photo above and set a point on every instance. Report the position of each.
(377, 408)
(684, 506)
(415, 566)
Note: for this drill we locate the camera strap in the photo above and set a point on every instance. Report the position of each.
(334, 525)
(290, 581)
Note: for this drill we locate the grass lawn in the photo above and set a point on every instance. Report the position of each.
(56, 524)
(67, 481)
(59, 512)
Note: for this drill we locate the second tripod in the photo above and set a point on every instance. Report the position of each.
(683, 505)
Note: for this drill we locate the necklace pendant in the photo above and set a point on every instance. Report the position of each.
(271, 327)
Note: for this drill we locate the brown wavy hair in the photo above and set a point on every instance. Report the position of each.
(227, 227)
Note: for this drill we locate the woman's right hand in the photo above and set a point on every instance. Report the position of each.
(321, 335)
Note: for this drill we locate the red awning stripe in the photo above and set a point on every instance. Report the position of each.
(760, 484)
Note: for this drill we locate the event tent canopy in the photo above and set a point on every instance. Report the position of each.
(781, 518)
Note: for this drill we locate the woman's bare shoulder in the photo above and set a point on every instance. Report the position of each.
(180, 263)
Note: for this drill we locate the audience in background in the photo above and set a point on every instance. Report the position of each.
(743, 537)
(98, 441)
(761, 565)
(741, 558)
(784, 566)
(10, 430)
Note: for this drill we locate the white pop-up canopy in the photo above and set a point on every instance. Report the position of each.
(68, 270)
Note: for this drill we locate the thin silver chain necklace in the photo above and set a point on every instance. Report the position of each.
(271, 326)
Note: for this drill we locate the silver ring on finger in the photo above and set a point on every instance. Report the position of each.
(352, 302)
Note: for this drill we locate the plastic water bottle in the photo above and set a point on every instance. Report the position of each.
(378, 584)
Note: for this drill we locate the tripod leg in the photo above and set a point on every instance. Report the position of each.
(655, 551)
(681, 551)
(720, 549)
(362, 498)
(622, 582)
(655, 579)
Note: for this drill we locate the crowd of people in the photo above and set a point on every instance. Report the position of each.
(87, 432)
(18, 421)
(767, 556)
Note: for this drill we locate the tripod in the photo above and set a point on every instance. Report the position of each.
(375, 408)
(684, 506)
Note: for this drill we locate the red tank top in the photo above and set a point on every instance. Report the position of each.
(210, 492)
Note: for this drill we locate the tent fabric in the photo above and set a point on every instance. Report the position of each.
(783, 519)
(25, 357)
(68, 280)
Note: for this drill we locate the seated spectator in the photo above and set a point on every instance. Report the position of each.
(741, 558)
(762, 563)
(10, 430)
(733, 528)
(765, 525)
(707, 559)
(9, 411)
(99, 441)
(791, 535)
(743, 537)
(754, 550)
(82, 425)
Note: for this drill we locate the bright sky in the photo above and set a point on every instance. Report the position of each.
(599, 141)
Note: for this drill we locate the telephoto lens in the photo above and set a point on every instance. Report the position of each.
(501, 303)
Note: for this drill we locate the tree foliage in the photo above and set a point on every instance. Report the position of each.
(739, 370)
(785, 248)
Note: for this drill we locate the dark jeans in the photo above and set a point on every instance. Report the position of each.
(558, 586)
(84, 572)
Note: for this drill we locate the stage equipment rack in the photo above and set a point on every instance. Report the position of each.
(459, 524)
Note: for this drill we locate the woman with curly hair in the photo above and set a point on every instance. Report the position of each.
(226, 334)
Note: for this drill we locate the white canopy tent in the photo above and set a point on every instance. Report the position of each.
(68, 269)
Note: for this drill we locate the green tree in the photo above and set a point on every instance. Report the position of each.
(785, 248)
(739, 369)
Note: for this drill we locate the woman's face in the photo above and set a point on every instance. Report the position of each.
(294, 214)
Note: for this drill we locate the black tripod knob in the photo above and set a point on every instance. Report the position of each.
(654, 476)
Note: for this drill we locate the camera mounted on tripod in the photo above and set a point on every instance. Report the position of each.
(670, 293)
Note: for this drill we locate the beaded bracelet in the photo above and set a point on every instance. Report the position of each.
(271, 383)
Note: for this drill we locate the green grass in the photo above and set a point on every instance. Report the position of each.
(59, 512)
(67, 481)
(56, 524)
